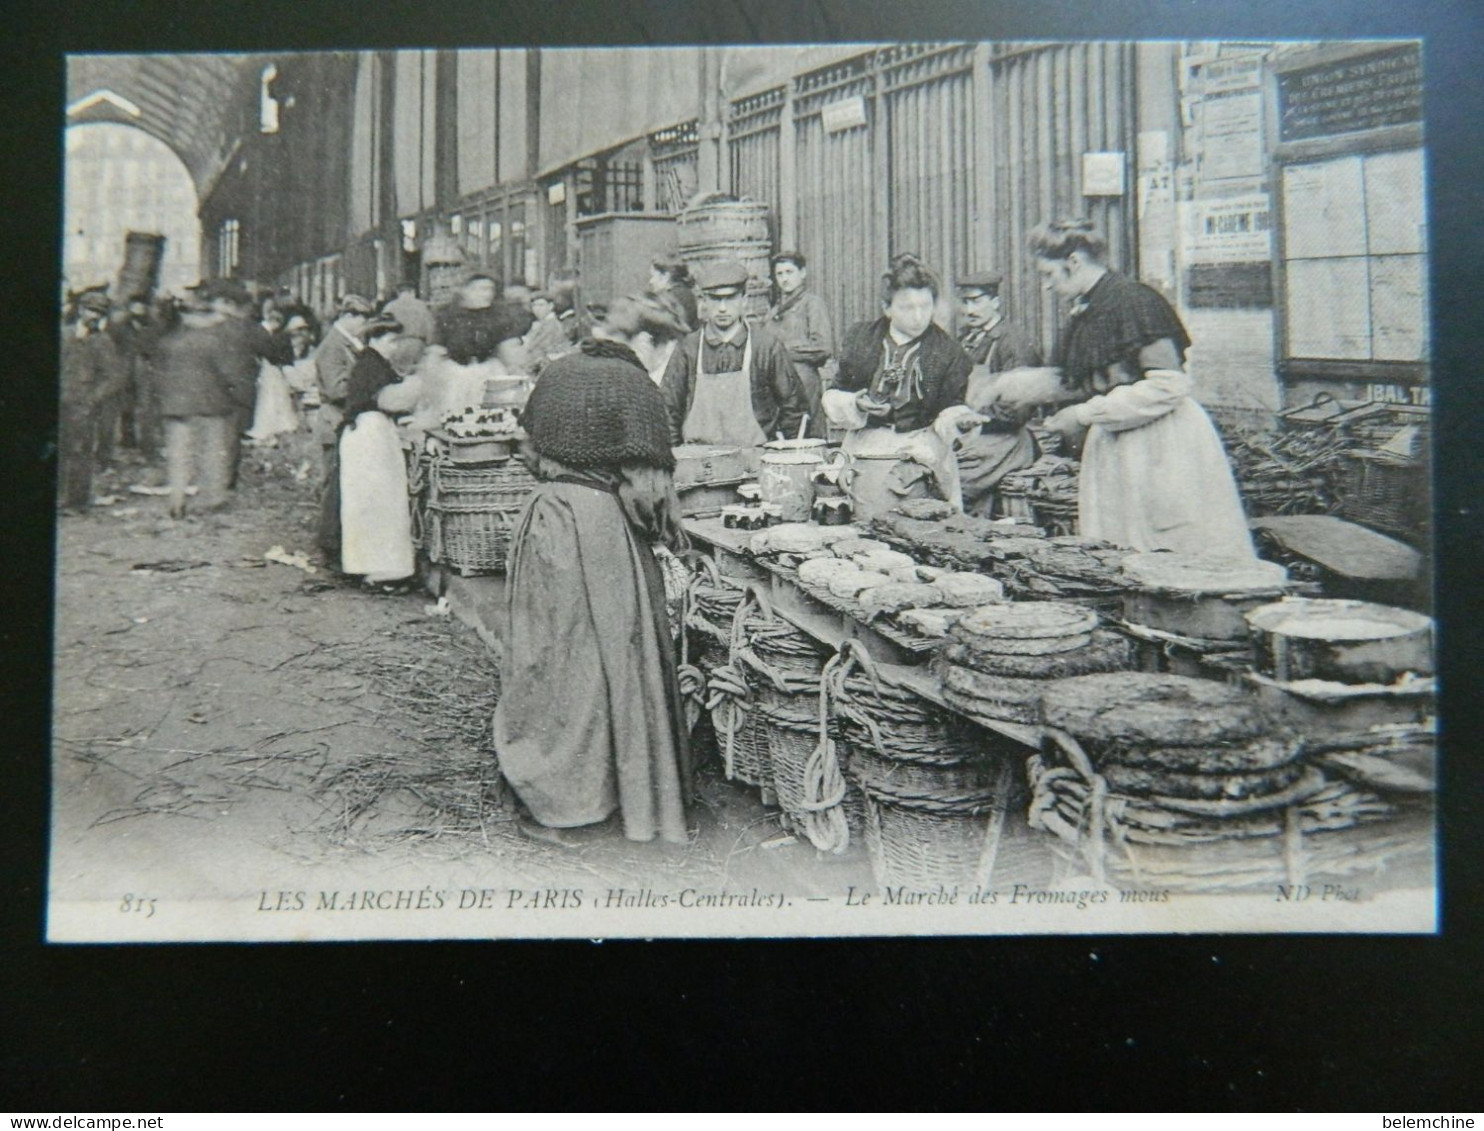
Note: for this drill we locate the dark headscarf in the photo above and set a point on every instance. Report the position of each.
(598, 408)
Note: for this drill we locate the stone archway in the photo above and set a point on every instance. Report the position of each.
(120, 179)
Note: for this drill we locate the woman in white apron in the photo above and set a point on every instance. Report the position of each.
(375, 514)
(1154, 473)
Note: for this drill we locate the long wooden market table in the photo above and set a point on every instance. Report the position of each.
(899, 657)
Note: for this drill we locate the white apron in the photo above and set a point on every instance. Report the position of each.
(721, 410)
(273, 411)
(375, 514)
(1166, 485)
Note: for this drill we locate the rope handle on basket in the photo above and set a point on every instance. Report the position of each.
(1099, 818)
(852, 654)
(750, 592)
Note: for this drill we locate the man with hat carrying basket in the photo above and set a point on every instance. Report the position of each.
(729, 383)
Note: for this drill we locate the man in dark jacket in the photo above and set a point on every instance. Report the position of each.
(91, 376)
(195, 383)
(245, 345)
(135, 337)
(802, 320)
(994, 345)
(987, 336)
(729, 383)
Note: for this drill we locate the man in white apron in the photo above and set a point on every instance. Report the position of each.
(729, 383)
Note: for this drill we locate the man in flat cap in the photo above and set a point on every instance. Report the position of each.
(985, 334)
(994, 345)
(194, 382)
(729, 383)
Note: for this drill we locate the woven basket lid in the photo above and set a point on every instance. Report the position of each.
(703, 451)
(1105, 651)
(929, 621)
(1336, 620)
(834, 535)
(1029, 620)
(898, 595)
(1161, 710)
(1203, 574)
(970, 590)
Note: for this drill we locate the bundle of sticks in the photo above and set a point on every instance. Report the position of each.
(1291, 472)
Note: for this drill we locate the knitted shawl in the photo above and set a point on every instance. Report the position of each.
(598, 408)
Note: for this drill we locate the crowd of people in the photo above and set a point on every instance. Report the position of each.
(589, 723)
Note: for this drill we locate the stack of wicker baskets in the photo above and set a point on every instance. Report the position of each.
(999, 658)
(470, 512)
(930, 780)
(787, 665)
(741, 734)
(1185, 784)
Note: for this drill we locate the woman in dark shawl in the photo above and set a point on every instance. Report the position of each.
(589, 718)
(1154, 473)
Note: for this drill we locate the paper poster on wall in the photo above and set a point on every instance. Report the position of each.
(1231, 136)
(1229, 230)
(1394, 202)
(1329, 309)
(1399, 307)
(1323, 209)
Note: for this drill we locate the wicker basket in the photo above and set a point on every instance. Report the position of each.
(929, 791)
(470, 513)
(1385, 492)
(745, 753)
(793, 734)
(417, 488)
(921, 848)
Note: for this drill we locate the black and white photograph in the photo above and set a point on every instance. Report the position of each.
(751, 491)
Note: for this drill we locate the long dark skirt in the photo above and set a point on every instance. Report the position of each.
(589, 719)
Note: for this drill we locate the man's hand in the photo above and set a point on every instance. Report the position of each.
(870, 405)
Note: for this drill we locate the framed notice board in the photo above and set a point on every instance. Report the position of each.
(1352, 218)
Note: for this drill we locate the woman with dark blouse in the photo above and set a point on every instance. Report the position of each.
(901, 384)
(1154, 473)
(375, 518)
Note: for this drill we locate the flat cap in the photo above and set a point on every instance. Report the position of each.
(355, 304)
(96, 300)
(979, 281)
(723, 276)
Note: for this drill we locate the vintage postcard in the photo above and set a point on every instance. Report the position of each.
(760, 491)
